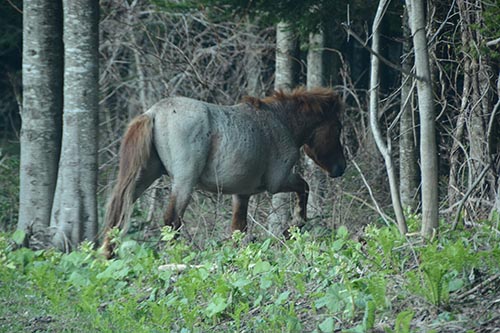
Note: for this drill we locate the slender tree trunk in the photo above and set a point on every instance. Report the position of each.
(42, 111)
(408, 166)
(284, 79)
(385, 149)
(428, 147)
(315, 78)
(74, 214)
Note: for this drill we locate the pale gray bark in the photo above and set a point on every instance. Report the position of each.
(74, 214)
(41, 113)
(408, 166)
(385, 149)
(253, 67)
(285, 57)
(315, 78)
(315, 67)
(280, 213)
(428, 147)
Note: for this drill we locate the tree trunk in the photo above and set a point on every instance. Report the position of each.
(385, 149)
(41, 113)
(253, 66)
(408, 166)
(284, 79)
(428, 147)
(315, 78)
(74, 214)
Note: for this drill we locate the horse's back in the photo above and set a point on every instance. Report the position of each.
(229, 149)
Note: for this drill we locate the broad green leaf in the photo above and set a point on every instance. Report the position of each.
(327, 326)
(455, 284)
(217, 305)
(261, 267)
(282, 298)
(18, 236)
(240, 283)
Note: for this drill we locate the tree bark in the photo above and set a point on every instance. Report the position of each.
(408, 166)
(428, 147)
(41, 113)
(315, 78)
(74, 214)
(284, 79)
(385, 149)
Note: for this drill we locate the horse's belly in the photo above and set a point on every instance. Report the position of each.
(233, 181)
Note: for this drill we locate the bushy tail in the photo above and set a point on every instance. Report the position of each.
(134, 154)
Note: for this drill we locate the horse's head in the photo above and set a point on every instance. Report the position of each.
(325, 148)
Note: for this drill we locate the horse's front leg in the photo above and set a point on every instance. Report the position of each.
(240, 209)
(295, 183)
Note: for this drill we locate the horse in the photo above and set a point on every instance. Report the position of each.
(240, 150)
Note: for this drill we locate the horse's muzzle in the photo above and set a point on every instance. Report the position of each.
(337, 171)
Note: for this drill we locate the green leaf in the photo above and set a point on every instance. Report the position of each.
(333, 299)
(342, 232)
(261, 267)
(282, 298)
(18, 237)
(369, 316)
(217, 305)
(403, 321)
(116, 270)
(240, 283)
(455, 284)
(266, 281)
(265, 246)
(78, 279)
(327, 326)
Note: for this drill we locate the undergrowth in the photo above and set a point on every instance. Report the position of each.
(380, 283)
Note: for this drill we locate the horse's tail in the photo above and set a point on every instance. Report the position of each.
(134, 154)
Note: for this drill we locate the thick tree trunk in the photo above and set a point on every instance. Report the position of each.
(41, 112)
(280, 213)
(74, 214)
(315, 78)
(428, 147)
(408, 166)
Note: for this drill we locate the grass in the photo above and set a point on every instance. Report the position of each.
(382, 283)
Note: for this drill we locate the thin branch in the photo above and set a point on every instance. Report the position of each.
(493, 42)
(378, 55)
(386, 219)
(467, 194)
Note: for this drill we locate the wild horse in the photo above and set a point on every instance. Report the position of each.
(240, 150)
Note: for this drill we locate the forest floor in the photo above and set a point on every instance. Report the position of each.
(380, 282)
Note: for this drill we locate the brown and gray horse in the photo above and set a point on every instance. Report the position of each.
(240, 150)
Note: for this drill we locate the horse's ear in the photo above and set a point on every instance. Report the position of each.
(308, 151)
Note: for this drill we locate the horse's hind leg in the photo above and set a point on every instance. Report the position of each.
(240, 208)
(149, 173)
(178, 201)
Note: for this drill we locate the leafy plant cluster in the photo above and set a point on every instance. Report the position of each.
(333, 284)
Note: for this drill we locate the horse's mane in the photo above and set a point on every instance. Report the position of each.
(316, 101)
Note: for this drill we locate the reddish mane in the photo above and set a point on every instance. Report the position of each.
(316, 101)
